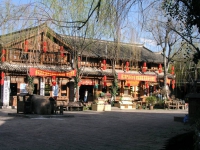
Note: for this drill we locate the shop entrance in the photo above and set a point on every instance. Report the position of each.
(82, 90)
(13, 89)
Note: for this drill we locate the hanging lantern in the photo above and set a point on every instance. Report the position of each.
(2, 78)
(3, 58)
(173, 81)
(61, 54)
(104, 67)
(104, 84)
(61, 48)
(26, 46)
(160, 68)
(173, 86)
(104, 61)
(44, 47)
(54, 77)
(129, 84)
(54, 83)
(3, 51)
(104, 78)
(127, 64)
(144, 64)
(144, 68)
(147, 85)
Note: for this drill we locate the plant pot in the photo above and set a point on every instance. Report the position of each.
(151, 107)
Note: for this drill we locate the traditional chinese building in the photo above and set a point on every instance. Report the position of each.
(52, 62)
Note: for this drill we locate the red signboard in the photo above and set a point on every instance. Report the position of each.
(122, 76)
(87, 82)
(38, 72)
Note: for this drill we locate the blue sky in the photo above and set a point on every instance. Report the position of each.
(131, 31)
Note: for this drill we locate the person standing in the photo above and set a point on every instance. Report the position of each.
(85, 96)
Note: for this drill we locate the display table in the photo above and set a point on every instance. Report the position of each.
(100, 105)
(126, 102)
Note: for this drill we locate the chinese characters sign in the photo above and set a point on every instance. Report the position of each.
(38, 72)
(122, 76)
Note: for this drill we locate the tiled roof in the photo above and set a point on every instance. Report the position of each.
(23, 68)
(107, 49)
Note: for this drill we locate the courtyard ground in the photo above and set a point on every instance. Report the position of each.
(90, 130)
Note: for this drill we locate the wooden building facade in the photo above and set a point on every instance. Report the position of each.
(52, 60)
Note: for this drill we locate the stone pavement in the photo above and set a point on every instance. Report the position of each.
(91, 130)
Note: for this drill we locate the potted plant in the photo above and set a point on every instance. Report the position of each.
(151, 100)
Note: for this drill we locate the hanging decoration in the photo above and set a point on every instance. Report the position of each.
(160, 68)
(44, 46)
(173, 84)
(61, 51)
(172, 70)
(26, 46)
(104, 64)
(2, 77)
(3, 57)
(147, 85)
(127, 66)
(144, 68)
(128, 84)
(53, 80)
(104, 80)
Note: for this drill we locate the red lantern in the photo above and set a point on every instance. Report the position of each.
(26, 46)
(127, 64)
(26, 42)
(2, 78)
(104, 61)
(3, 51)
(127, 68)
(160, 68)
(104, 78)
(128, 84)
(44, 47)
(54, 83)
(104, 67)
(53, 77)
(144, 64)
(173, 86)
(173, 81)
(61, 48)
(104, 84)
(147, 85)
(61, 54)
(44, 43)
(144, 69)
(3, 58)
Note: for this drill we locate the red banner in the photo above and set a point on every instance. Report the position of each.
(87, 82)
(122, 76)
(38, 72)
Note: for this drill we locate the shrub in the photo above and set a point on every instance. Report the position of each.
(151, 100)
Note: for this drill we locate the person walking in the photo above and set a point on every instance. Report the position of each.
(85, 96)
